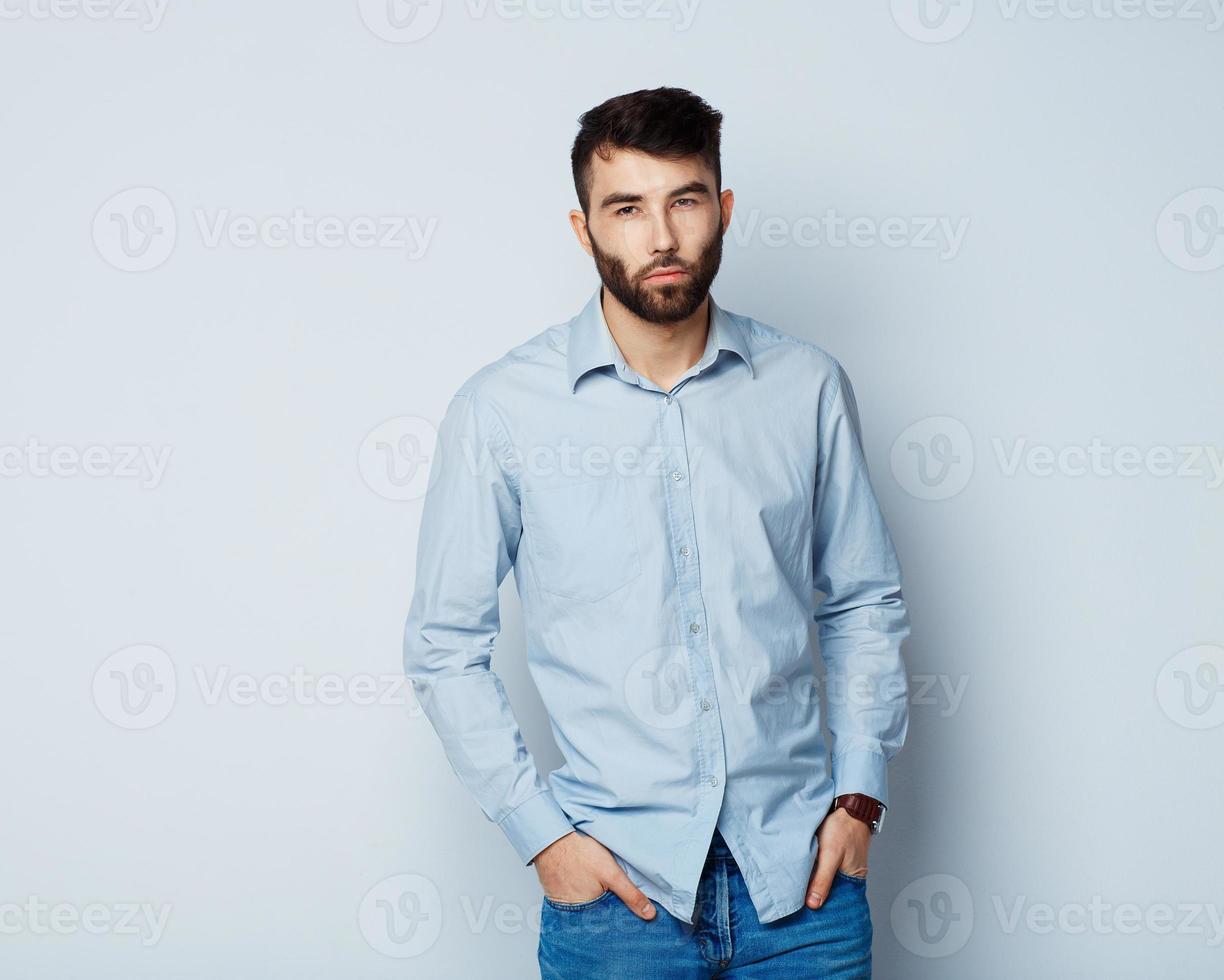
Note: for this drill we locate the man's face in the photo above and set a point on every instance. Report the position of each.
(655, 231)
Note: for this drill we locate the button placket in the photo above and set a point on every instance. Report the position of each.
(677, 487)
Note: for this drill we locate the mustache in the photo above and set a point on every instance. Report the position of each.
(670, 267)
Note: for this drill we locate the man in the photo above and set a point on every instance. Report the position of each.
(672, 483)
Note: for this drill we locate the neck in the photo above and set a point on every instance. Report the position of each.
(661, 352)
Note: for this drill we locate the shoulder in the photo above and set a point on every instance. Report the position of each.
(786, 354)
(521, 365)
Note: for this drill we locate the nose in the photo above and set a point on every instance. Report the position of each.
(662, 235)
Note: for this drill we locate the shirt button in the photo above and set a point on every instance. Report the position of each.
(694, 627)
(668, 399)
(684, 550)
(713, 780)
(705, 704)
(676, 475)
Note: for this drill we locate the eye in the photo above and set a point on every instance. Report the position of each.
(626, 208)
(686, 200)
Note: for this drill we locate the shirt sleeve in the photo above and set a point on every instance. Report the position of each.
(470, 528)
(863, 619)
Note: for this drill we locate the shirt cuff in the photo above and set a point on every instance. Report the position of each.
(534, 824)
(861, 771)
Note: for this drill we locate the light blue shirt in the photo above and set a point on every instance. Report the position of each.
(667, 548)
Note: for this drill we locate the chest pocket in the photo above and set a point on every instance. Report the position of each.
(581, 538)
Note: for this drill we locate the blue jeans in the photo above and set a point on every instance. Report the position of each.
(603, 939)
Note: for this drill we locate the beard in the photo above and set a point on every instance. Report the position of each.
(661, 304)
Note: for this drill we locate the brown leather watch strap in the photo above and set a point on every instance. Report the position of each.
(861, 807)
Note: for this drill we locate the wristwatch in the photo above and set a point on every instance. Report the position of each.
(863, 808)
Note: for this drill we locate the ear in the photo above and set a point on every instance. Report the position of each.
(578, 222)
(726, 202)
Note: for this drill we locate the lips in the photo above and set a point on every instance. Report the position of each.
(667, 275)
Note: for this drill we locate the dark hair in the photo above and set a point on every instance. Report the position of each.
(664, 122)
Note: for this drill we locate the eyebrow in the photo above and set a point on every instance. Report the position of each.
(622, 197)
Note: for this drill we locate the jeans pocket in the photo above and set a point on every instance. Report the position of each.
(576, 906)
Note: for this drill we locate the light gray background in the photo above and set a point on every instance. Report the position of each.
(1078, 617)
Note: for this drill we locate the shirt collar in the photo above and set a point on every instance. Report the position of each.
(591, 344)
